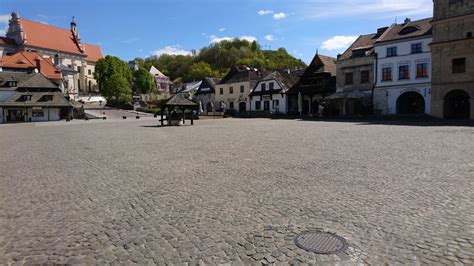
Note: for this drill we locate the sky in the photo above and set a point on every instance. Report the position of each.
(141, 28)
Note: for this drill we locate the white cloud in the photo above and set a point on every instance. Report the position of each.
(320, 9)
(171, 50)
(222, 29)
(4, 19)
(279, 16)
(265, 12)
(3, 32)
(215, 39)
(269, 37)
(338, 43)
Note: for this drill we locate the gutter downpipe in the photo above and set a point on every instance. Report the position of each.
(376, 71)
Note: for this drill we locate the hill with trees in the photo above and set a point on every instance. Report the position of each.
(216, 60)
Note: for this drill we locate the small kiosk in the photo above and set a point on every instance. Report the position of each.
(176, 110)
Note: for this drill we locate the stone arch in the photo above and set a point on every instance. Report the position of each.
(410, 103)
(457, 105)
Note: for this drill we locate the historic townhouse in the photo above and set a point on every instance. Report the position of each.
(270, 93)
(31, 97)
(233, 91)
(356, 77)
(73, 58)
(453, 59)
(403, 83)
(315, 84)
(162, 82)
(206, 95)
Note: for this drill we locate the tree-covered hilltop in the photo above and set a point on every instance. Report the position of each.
(216, 60)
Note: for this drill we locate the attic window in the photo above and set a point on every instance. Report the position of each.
(46, 98)
(24, 98)
(12, 84)
(408, 30)
(358, 53)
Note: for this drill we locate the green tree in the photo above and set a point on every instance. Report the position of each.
(199, 71)
(114, 78)
(143, 81)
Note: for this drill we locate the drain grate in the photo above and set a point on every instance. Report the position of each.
(321, 242)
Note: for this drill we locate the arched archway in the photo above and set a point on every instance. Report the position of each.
(315, 107)
(410, 103)
(457, 105)
(242, 107)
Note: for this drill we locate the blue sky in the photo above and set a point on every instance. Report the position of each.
(140, 28)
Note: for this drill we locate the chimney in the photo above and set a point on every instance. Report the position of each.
(38, 64)
(380, 31)
(407, 20)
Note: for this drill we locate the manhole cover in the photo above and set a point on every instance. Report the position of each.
(321, 242)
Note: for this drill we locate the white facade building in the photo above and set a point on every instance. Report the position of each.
(403, 66)
(269, 95)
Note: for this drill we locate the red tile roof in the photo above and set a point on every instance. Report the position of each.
(53, 38)
(27, 60)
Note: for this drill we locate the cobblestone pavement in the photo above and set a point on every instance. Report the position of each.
(234, 192)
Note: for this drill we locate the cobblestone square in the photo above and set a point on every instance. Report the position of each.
(234, 192)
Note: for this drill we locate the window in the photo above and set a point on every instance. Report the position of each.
(263, 87)
(46, 98)
(276, 104)
(459, 65)
(272, 86)
(24, 98)
(38, 113)
(349, 78)
(387, 74)
(242, 89)
(231, 105)
(266, 105)
(89, 71)
(416, 48)
(231, 90)
(12, 84)
(221, 91)
(403, 72)
(469, 35)
(391, 51)
(258, 105)
(365, 76)
(422, 70)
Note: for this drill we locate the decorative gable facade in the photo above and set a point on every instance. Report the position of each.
(270, 93)
(206, 96)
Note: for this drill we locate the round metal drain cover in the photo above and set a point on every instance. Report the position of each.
(321, 242)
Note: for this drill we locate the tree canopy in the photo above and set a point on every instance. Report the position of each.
(114, 78)
(143, 81)
(216, 60)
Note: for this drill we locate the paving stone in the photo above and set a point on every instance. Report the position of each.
(234, 191)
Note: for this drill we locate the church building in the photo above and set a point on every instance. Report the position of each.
(74, 59)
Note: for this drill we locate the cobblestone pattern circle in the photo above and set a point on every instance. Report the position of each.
(321, 242)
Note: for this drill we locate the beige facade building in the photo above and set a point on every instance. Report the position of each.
(453, 59)
(233, 91)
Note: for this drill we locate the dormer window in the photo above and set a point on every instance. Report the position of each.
(24, 98)
(408, 30)
(46, 98)
(12, 84)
